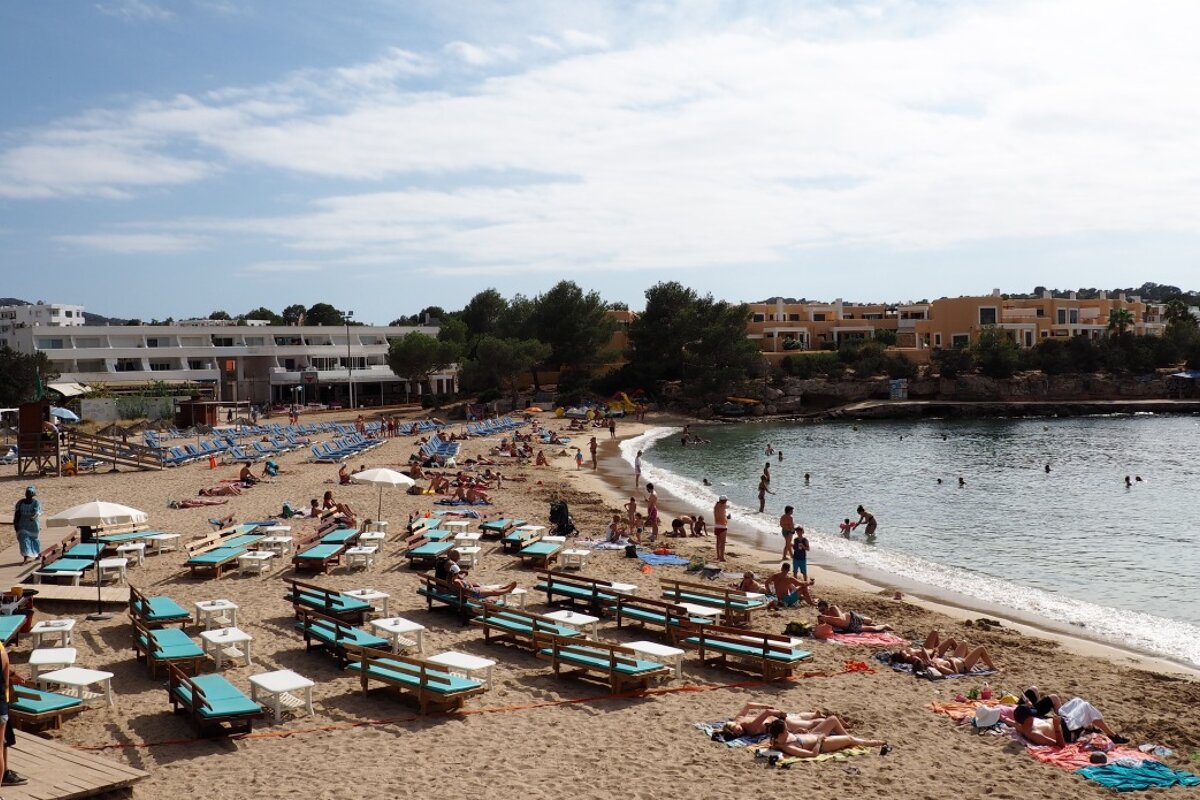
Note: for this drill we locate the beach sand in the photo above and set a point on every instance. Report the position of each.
(536, 735)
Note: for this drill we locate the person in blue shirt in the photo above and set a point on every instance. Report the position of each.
(27, 515)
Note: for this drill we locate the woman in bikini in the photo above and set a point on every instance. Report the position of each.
(753, 719)
(811, 745)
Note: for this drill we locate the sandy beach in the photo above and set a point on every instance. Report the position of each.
(536, 735)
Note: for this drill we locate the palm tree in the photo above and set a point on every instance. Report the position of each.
(1179, 315)
(1119, 320)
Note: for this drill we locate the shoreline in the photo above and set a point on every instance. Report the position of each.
(613, 477)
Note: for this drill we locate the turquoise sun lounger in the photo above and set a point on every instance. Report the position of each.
(543, 552)
(154, 612)
(33, 708)
(10, 626)
(340, 536)
(214, 705)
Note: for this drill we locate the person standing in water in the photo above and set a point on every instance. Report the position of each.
(763, 491)
(637, 469)
(721, 524)
(867, 518)
(787, 527)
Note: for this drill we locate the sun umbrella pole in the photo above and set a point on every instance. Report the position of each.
(99, 615)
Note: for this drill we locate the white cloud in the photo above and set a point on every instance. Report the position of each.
(284, 267)
(696, 142)
(135, 243)
(135, 10)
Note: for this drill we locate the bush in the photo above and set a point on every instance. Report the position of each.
(814, 365)
(953, 362)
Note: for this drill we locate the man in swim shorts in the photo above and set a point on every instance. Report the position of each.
(652, 510)
(800, 554)
(787, 590)
(721, 524)
(787, 527)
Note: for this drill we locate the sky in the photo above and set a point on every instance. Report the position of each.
(173, 158)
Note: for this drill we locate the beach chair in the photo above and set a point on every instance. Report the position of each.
(155, 612)
(326, 551)
(448, 594)
(541, 552)
(335, 636)
(309, 596)
(34, 710)
(735, 606)
(55, 565)
(430, 683)
(649, 611)
(166, 646)
(213, 705)
(10, 627)
(771, 655)
(218, 552)
(517, 538)
(522, 628)
(619, 666)
(421, 551)
(597, 594)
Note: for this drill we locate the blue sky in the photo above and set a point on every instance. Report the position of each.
(170, 158)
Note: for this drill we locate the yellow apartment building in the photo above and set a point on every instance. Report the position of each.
(779, 327)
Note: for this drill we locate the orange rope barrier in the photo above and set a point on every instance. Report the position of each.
(711, 687)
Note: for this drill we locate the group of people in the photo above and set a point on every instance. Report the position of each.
(939, 657)
(802, 734)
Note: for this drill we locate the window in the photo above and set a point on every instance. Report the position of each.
(1074, 316)
(1041, 312)
(819, 317)
(128, 365)
(793, 317)
(960, 340)
(987, 315)
(69, 313)
(222, 341)
(50, 344)
(324, 363)
(160, 366)
(759, 317)
(196, 363)
(937, 340)
(1062, 316)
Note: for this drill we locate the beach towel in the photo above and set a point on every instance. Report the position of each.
(885, 658)
(464, 514)
(866, 639)
(656, 560)
(709, 728)
(601, 544)
(196, 502)
(454, 502)
(1130, 777)
(786, 761)
(1075, 756)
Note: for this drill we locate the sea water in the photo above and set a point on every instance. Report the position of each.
(1073, 545)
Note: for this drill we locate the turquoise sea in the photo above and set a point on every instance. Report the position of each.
(1072, 545)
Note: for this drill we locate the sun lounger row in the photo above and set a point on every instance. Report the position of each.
(320, 555)
(490, 427)
(219, 551)
(328, 603)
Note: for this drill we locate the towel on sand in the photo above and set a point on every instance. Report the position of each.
(787, 761)
(867, 639)
(885, 658)
(656, 560)
(1077, 755)
(455, 502)
(1129, 777)
(710, 728)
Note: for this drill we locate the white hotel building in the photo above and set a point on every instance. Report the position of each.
(255, 361)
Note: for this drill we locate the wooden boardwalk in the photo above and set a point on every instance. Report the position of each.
(58, 772)
(14, 573)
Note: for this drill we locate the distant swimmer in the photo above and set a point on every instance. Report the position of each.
(807, 477)
(1137, 478)
(1128, 482)
(706, 482)
(854, 427)
(1047, 469)
(943, 437)
(939, 481)
(961, 481)
(867, 518)
(780, 454)
(770, 450)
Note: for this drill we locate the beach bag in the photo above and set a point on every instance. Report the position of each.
(631, 551)
(795, 628)
(288, 512)
(822, 631)
(986, 717)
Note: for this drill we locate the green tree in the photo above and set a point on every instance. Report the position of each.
(454, 330)
(1120, 320)
(22, 376)
(220, 315)
(417, 356)
(885, 336)
(500, 363)
(483, 313)
(953, 361)
(324, 314)
(995, 352)
(262, 312)
(575, 324)
(294, 314)
(516, 321)
(683, 336)
(1179, 316)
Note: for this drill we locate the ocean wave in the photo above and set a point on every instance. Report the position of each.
(1131, 629)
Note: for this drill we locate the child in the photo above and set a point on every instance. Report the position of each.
(615, 529)
(639, 527)
(847, 526)
(578, 459)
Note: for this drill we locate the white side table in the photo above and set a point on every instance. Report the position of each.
(671, 656)
(47, 659)
(623, 588)
(372, 596)
(395, 628)
(465, 664)
(79, 679)
(534, 530)
(360, 556)
(60, 629)
(133, 550)
(694, 610)
(574, 558)
(468, 537)
(216, 614)
(374, 538)
(256, 562)
(518, 595)
(573, 619)
(116, 569)
(469, 556)
(222, 642)
(162, 542)
(280, 544)
(278, 687)
(378, 526)
(455, 526)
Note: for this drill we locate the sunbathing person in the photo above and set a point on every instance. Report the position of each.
(923, 660)
(246, 477)
(461, 580)
(477, 496)
(754, 718)
(222, 490)
(846, 621)
(811, 745)
(1073, 718)
(438, 484)
(749, 583)
(327, 500)
(541, 459)
(616, 531)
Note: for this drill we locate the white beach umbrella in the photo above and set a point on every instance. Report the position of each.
(382, 476)
(96, 514)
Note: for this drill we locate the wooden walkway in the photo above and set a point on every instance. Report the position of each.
(14, 573)
(58, 772)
